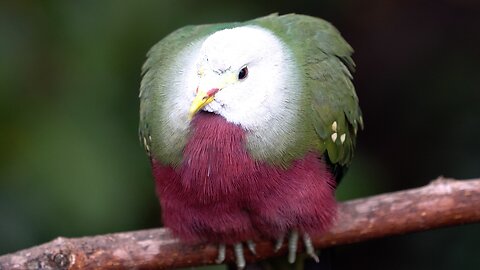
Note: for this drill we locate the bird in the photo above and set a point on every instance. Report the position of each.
(248, 127)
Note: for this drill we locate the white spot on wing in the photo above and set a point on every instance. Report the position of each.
(334, 126)
(334, 137)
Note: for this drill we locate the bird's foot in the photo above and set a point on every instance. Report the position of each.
(238, 251)
(293, 245)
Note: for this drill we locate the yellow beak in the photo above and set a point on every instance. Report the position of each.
(201, 100)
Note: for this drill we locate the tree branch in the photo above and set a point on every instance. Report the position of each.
(444, 202)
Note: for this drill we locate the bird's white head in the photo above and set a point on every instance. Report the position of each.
(246, 74)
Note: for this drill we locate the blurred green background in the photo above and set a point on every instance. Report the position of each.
(71, 164)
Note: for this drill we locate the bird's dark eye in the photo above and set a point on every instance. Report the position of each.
(242, 74)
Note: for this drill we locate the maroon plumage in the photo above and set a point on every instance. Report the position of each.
(220, 194)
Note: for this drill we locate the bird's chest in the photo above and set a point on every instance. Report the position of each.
(215, 161)
(216, 167)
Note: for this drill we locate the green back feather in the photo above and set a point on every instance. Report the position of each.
(325, 61)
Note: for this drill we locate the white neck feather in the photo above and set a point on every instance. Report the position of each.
(265, 103)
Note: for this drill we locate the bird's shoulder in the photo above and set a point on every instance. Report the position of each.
(326, 66)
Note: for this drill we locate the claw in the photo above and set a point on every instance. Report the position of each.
(238, 251)
(239, 258)
(309, 247)
(292, 246)
(221, 254)
(251, 247)
(279, 243)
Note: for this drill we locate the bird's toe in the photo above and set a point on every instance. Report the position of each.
(307, 242)
(279, 243)
(239, 257)
(251, 247)
(293, 239)
(238, 252)
(221, 254)
(292, 246)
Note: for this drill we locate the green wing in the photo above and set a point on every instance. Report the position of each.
(331, 105)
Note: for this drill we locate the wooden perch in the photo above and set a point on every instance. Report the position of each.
(442, 203)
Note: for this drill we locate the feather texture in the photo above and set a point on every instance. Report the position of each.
(220, 194)
(221, 182)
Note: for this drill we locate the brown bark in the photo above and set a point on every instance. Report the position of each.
(442, 203)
